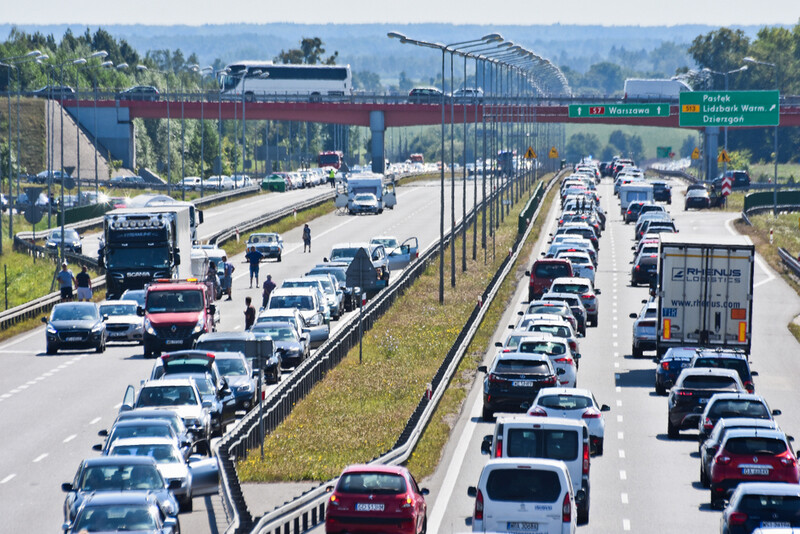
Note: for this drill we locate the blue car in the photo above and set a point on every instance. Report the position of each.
(674, 361)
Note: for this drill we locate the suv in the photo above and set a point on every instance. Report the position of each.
(691, 392)
(644, 330)
(425, 95)
(542, 274)
(584, 288)
(513, 380)
(662, 192)
(675, 360)
(741, 180)
(709, 448)
(554, 438)
(728, 405)
(727, 359)
(176, 313)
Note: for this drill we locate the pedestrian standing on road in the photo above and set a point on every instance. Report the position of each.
(253, 257)
(227, 276)
(65, 280)
(306, 238)
(249, 313)
(84, 285)
(213, 280)
(332, 177)
(269, 285)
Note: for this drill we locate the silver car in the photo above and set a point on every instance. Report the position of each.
(123, 324)
(644, 329)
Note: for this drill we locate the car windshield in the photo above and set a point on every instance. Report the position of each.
(117, 309)
(115, 518)
(277, 333)
(521, 366)
(69, 235)
(232, 367)
(551, 270)
(737, 364)
(137, 257)
(739, 408)
(542, 347)
(346, 254)
(301, 302)
(143, 430)
(167, 396)
(365, 197)
(565, 402)
(262, 238)
(539, 443)
(755, 445)
(121, 478)
(222, 345)
(161, 452)
(75, 312)
(388, 242)
(186, 300)
(373, 483)
(523, 485)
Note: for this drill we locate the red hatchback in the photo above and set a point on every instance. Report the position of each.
(544, 272)
(751, 455)
(376, 498)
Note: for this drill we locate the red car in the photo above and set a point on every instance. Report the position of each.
(376, 498)
(751, 455)
(542, 274)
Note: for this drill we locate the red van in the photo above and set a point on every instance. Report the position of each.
(543, 273)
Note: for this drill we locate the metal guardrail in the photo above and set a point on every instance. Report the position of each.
(309, 509)
(789, 261)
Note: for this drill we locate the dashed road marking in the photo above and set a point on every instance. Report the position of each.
(70, 438)
(616, 365)
(619, 418)
(624, 498)
(621, 453)
(619, 389)
(619, 403)
(620, 435)
(616, 354)
(626, 524)
(8, 478)
(40, 458)
(94, 421)
(623, 475)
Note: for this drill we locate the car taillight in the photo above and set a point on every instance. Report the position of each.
(494, 379)
(498, 453)
(565, 359)
(787, 459)
(586, 459)
(334, 500)
(683, 393)
(573, 345)
(708, 424)
(406, 502)
(665, 366)
(537, 412)
(591, 413)
(506, 350)
(749, 387)
(550, 381)
(636, 268)
(566, 510)
(722, 460)
(590, 267)
(737, 518)
(478, 506)
(587, 296)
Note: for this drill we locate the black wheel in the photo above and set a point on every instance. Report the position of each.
(716, 502)
(660, 390)
(101, 348)
(279, 257)
(599, 448)
(51, 349)
(672, 431)
(636, 352)
(488, 414)
(703, 477)
(424, 526)
(583, 515)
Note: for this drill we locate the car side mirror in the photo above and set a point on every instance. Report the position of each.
(472, 491)
(520, 313)
(633, 316)
(776, 412)
(424, 491)
(527, 273)
(103, 433)
(605, 408)
(140, 311)
(44, 320)
(66, 487)
(482, 369)
(498, 344)
(597, 291)
(97, 447)
(753, 373)
(790, 438)
(325, 260)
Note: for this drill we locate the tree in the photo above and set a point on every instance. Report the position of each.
(367, 81)
(721, 50)
(582, 144)
(309, 53)
(688, 146)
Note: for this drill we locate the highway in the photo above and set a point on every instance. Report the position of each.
(51, 407)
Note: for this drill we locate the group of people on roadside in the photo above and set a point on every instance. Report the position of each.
(82, 283)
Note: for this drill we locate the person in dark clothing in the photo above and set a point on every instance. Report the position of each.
(253, 257)
(306, 238)
(84, 283)
(269, 285)
(249, 313)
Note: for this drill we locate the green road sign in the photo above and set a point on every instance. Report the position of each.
(663, 151)
(598, 111)
(729, 108)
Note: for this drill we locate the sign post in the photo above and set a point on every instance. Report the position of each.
(729, 108)
(359, 271)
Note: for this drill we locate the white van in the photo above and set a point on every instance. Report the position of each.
(634, 192)
(554, 438)
(524, 495)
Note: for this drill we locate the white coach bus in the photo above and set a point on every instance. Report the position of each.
(267, 78)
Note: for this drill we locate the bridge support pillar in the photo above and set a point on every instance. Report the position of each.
(114, 131)
(711, 134)
(377, 126)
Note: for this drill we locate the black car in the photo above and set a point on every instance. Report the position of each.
(75, 325)
(644, 270)
(697, 198)
(54, 91)
(116, 511)
(291, 346)
(241, 378)
(119, 473)
(632, 213)
(691, 392)
(675, 360)
(727, 359)
(72, 241)
(662, 192)
(127, 181)
(740, 180)
(762, 504)
(514, 380)
(139, 92)
(425, 95)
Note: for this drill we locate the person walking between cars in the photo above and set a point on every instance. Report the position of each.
(306, 238)
(213, 280)
(249, 313)
(253, 257)
(84, 285)
(269, 285)
(65, 280)
(227, 277)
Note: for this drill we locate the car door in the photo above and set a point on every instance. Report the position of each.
(205, 475)
(128, 400)
(401, 256)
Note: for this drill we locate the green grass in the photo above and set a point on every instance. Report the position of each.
(785, 234)
(652, 137)
(32, 125)
(764, 172)
(401, 354)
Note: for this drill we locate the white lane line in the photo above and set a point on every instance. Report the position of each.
(5, 395)
(619, 389)
(621, 453)
(94, 421)
(15, 391)
(624, 498)
(620, 436)
(18, 340)
(616, 354)
(615, 325)
(70, 438)
(615, 320)
(23, 386)
(615, 344)
(614, 334)
(623, 475)
(616, 365)
(30, 382)
(619, 403)
(118, 406)
(619, 418)
(626, 524)
(40, 458)
(8, 478)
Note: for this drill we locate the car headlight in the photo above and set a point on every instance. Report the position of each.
(51, 329)
(201, 324)
(148, 327)
(246, 388)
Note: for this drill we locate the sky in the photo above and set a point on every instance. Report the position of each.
(522, 12)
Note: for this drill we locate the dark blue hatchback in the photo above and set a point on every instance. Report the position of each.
(670, 366)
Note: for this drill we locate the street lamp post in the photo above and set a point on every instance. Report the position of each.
(725, 75)
(102, 55)
(203, 72)
(777, 87)
(256, 73)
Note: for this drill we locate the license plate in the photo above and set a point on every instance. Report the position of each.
(369, 507)
(116, 334)
(776, 524)
(174, 342)
(522, 383)
(755, 471)
(523, 525)
(75, 338)
(685, 365)
(702, 401)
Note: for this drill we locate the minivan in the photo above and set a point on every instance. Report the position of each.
(556, 438)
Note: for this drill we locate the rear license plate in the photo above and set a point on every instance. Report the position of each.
(522, 383)
(174, 342)
(684, 365)
(776, 524)
(369, 507)
(755, 471)
(75, 338)
(702, 401)
(523, 526)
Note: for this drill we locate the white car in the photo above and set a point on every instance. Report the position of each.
(123, 323)
(558, 350)
(581, 262)
(190, 183)
(573, 403)
(525, 495)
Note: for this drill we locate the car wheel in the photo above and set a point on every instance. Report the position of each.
(424, 529)
(716, 502)
(599, 448)
(51, 349)
(660, 390)
(636, 352)
(583, 515)
(279, 257)
(186, 505)
(703, 477)
(488, 414)
(672, 431)
(101, 348)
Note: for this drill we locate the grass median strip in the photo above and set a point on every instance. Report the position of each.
(401, 354)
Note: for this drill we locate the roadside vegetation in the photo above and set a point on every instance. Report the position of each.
(401, 353)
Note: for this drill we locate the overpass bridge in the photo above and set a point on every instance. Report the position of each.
(378, 112)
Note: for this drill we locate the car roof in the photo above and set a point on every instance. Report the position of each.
(144, 441)
(294, 291)
(744, 422)
(576, 392)
(541, 336)
(740, 396)
(706, 353)
(375, 468)
(677, 352)
(114, 459)
(701, 371)
(573, 280)
(114, 302)
(106, 498)
(208, 336)
(143, 420)
(543, 463)
(522, 356)
(768, 488)
(528, 420)
(752, 431)
(167, 382)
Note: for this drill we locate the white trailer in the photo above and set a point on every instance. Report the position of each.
(705, 292)
(634, 192)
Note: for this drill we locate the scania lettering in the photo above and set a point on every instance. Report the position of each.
(705, 292)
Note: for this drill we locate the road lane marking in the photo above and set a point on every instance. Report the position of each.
(619, 389)
(118, 406)
(626, 524)
(619, 418)
(621, 453)
(620, 436)
(5, 395)
(23, 386)
(40, 458)
(8, 478)
(619, 403)
(623, 475)
(616, 354)
(616, 365)
(70, 438)
(624, 498)
(94, 421)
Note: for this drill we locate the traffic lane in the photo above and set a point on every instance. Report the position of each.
(108, 375)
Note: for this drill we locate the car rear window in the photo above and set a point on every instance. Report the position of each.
(739, 408)
(556, 330)
(523, 485)
(569, 288)
(788, 506)
(755, 445)
(565, 402)
(551, 270)
(528, 367)
(542, 347)
(382, 483)
(709, 382)
(736, 364)
(541, 443)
